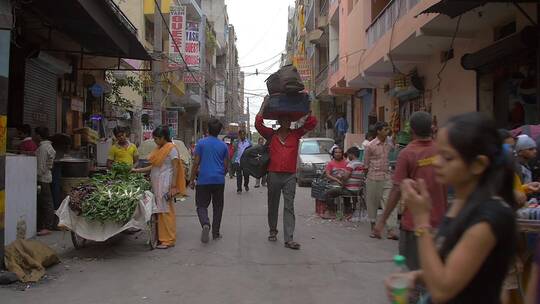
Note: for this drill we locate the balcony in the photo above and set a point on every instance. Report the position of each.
(321, 81)
(384, 22)
(334, 66)
(323, 11)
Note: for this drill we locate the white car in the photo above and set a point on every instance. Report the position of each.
(313, 155)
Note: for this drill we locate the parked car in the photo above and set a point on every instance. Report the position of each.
(149, 145)
(313, 155)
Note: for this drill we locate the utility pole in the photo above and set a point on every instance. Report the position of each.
(157, 93)
(248, 119)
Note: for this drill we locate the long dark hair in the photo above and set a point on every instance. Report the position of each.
(473, 135)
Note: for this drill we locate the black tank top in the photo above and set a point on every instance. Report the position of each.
(486, 285)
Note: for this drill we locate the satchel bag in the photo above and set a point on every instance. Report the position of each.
(285, 80)
(255, 160)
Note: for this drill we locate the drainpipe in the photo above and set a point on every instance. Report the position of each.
(5, 38)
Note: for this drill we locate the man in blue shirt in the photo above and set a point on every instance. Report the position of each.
(210, 167)
(341, 128)
(239, 147)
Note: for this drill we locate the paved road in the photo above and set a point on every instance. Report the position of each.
(338, 263)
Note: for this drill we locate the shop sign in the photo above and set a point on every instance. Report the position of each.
(177, 25)
(96, 90)
(188, 78)
(172, 121)
(192, 47)
(220, 98)
(77, 105)
(304, 69)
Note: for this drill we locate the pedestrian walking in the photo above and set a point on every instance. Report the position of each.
(468, 259)
(122, 151)
(208, 179)
(261, 180)
(228, 141)
(342, 126)
(378, 183)
(239, 147)
(370, 135)
(168, 180)
(45, 154)
(329, 126)
(282, 172)
(415, 161)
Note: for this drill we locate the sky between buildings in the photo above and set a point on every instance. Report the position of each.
(261, 29)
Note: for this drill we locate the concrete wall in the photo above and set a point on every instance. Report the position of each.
(20, 196)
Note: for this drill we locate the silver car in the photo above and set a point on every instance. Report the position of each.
(313, 155)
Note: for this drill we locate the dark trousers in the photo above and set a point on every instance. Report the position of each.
(240, 173)
(45, 209)
(204, 194)
(408, 248)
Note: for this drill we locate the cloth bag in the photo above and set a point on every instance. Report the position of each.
(255, 160)
(294, 106)
(285, 80)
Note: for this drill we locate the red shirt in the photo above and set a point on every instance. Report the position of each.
(415, 162)
(283, 155)
(231, 150)
(337, 168)
(28, 146)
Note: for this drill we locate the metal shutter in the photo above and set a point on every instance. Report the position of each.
(39, 96)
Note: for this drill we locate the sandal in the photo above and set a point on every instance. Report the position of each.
(373, 235)
(292, 245)
(163, 246)
(392, 237)
(273, 236)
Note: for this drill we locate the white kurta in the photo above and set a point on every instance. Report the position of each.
(161, 178)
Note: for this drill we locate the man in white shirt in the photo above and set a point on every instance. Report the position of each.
(45, 158)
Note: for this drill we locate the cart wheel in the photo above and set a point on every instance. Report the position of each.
(78, 242)
(153, 232)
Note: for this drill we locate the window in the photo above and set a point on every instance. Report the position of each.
(316, 146)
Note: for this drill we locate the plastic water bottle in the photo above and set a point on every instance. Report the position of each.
(400, 285)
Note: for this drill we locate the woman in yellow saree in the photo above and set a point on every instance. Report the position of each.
(168, 180)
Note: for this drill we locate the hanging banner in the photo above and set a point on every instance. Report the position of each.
(177, 26)
(192, 46)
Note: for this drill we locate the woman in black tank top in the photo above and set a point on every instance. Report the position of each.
(466, 262)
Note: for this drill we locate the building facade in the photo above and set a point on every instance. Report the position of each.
(382, 60)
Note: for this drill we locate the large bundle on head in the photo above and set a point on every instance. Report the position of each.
(286, 97)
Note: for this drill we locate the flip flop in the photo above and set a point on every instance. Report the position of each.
(393, 237)
(292, 245)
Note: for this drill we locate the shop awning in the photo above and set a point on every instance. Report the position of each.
(526, 40)
(99, 26)
(454, 8)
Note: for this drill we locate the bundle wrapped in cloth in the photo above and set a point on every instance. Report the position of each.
(294, 106)
(285, 95)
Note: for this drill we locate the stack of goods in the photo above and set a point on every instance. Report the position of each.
(285, 95)
(88, 135)
(531, 211)
(110, 197)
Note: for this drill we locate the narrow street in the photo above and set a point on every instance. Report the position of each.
(338, 263)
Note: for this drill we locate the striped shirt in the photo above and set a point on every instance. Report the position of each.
(357, 170)
(376, 160)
